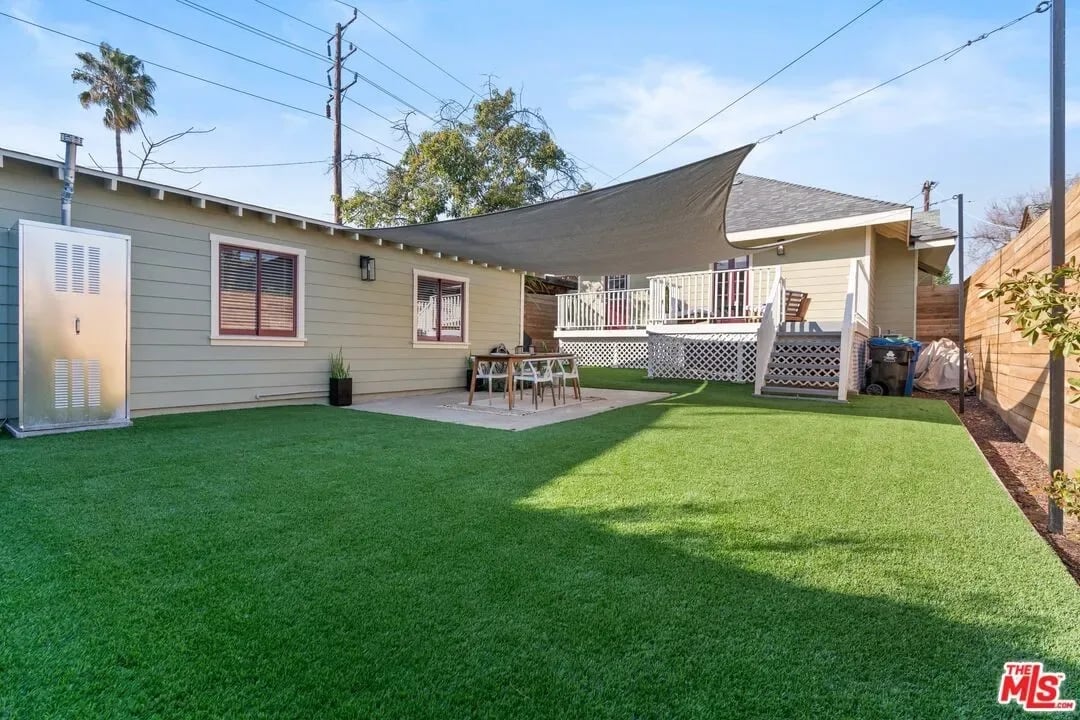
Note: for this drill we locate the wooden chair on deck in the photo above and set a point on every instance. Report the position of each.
(796, 304)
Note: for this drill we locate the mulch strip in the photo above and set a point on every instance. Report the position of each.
(1021, 472)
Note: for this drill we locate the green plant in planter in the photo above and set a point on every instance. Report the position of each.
(338, 369)
(1032, 297)
(340, 380)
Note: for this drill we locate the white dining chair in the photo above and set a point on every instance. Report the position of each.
(566, 369)
(536, 373)
(491, 370)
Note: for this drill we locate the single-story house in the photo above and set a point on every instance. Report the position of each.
(824, 246)
(234, 305)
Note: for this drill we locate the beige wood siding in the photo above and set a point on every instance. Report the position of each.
(871, 271)
(894, 281)
(174, 366)
(819, 266)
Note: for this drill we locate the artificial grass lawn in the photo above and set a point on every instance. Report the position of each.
(711, 555)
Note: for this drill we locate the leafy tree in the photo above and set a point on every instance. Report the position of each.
(116, 81)
(499, 156)
(1032, 298)
(945, 278)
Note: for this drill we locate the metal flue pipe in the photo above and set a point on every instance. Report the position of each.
(71, 145)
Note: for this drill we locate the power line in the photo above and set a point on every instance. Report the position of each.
(908, 201)
(298, 48)
(208, 81)
(419, 87)
(431, 62)
(163, 166)
(1040, 8)
(749, 92)
(238, 56)
(442, 69)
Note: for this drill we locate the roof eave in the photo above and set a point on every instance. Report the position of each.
(157, 191)
(819, 226)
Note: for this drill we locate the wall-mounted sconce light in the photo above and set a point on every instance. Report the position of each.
(367, 268)
(779, 249)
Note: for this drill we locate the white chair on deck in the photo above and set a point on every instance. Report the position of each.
(536, 373)
(491, 370)
(567, 369)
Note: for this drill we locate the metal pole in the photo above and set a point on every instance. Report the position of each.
(962, 382)
(72, 144)
(1055, 521)
(337, 123)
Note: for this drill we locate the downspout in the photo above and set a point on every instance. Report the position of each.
(72, 144)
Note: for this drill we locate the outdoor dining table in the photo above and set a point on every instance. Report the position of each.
(510, 359)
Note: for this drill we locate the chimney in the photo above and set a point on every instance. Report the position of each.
(71, 143)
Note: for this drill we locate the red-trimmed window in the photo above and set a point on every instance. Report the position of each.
(440, 309)
(257, 292)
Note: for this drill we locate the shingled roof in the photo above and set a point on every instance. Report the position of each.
(756, 203)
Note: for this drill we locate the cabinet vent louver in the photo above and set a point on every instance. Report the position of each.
(60, 384)
(78, 383)
(60, 267)
(93, 383)
(78, 268)
(93, 270)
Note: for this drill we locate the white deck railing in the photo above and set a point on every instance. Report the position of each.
(603, 310)
(427, 315)
(711, 296)
(772, 319)
(856, 310)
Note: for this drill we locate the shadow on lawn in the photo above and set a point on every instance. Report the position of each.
(415, 580)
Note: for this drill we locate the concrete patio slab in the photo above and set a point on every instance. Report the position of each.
(453, 407)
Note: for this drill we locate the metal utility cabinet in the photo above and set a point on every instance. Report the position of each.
(73, 353)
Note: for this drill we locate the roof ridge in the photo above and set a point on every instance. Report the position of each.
(820, 189)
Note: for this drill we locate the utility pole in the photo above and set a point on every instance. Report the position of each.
(337, 92)
(927, 186)
(963, 297)
(1055, 520)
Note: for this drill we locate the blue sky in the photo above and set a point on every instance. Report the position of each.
(616, 81)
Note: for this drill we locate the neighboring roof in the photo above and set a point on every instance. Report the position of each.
(757, 203)
(671, 219)
(924, 231)
(1032, 213)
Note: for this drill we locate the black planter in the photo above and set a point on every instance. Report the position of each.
(340, 391)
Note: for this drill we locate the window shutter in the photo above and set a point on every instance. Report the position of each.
(427, 308)
(451, 303)
(277, 294)
(237, 284)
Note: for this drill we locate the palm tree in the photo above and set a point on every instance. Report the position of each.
(117, 82)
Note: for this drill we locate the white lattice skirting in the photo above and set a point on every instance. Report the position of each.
(858, 361)
(730, 357)
(627, 353)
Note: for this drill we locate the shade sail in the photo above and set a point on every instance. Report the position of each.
(671, 220)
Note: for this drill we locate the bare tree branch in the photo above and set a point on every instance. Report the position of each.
(150, 146)
(96, 163)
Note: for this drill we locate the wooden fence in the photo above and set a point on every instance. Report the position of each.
(1012, 374)
(937, 311)
(540, 311)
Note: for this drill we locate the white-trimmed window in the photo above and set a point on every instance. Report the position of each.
(616, 282)
(440, 309)
(256, 293)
